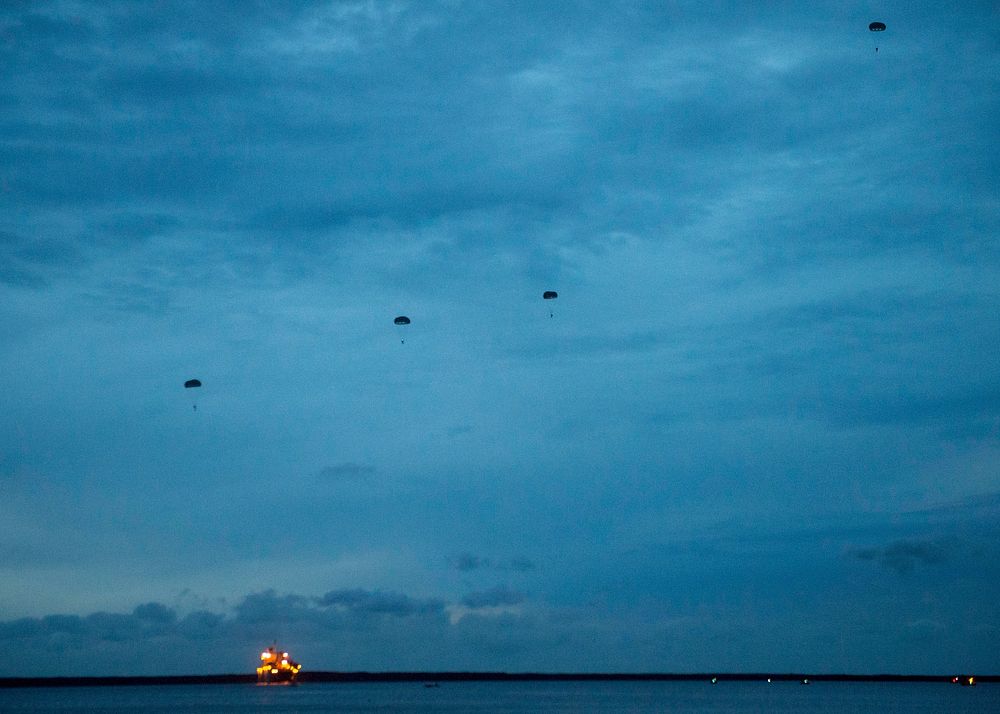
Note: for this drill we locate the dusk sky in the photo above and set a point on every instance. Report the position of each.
(760, 431)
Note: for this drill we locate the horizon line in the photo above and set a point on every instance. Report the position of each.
(320, 676)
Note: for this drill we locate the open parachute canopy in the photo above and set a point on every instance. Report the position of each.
(192, 383)
(401, 320)
(877, 26)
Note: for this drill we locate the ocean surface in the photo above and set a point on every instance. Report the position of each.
(514, 698)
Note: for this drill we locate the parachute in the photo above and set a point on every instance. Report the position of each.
(550, 295)
(401, 321)
(876, 27)
(190, 384)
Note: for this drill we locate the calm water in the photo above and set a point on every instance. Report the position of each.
(514, 697)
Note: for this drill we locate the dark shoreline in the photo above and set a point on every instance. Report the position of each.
(348, 677)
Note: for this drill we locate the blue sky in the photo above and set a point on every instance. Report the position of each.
(760, 431)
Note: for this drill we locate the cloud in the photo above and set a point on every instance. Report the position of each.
(375, 602)
(498, 602)
(982, 507)
(954, 409)
(498, 596)
(201, 624)
(130, 296)
(154, 612)
(521, 565)
(132, 642)
(25, 262)
(467, 562)
(20, 277)
(903, 556)
(146, 621)
(777, 286)
(269, 606)
(132, 227)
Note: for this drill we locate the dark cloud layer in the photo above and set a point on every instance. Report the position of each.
(147, 621)
(903, 556)
(776, 257)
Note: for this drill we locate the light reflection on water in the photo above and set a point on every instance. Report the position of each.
(514, 698)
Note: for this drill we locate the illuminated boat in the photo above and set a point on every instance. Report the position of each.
(277, 668)
(965, 681)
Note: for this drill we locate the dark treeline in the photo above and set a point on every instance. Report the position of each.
(346, 677)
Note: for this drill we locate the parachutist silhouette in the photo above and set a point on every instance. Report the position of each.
(193, 384)
(550, 295)
(401, 321)
(876, 27)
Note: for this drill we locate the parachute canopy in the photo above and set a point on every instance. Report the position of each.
(401, 320)
(192, 383)
(550, 295)
(877, 27)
